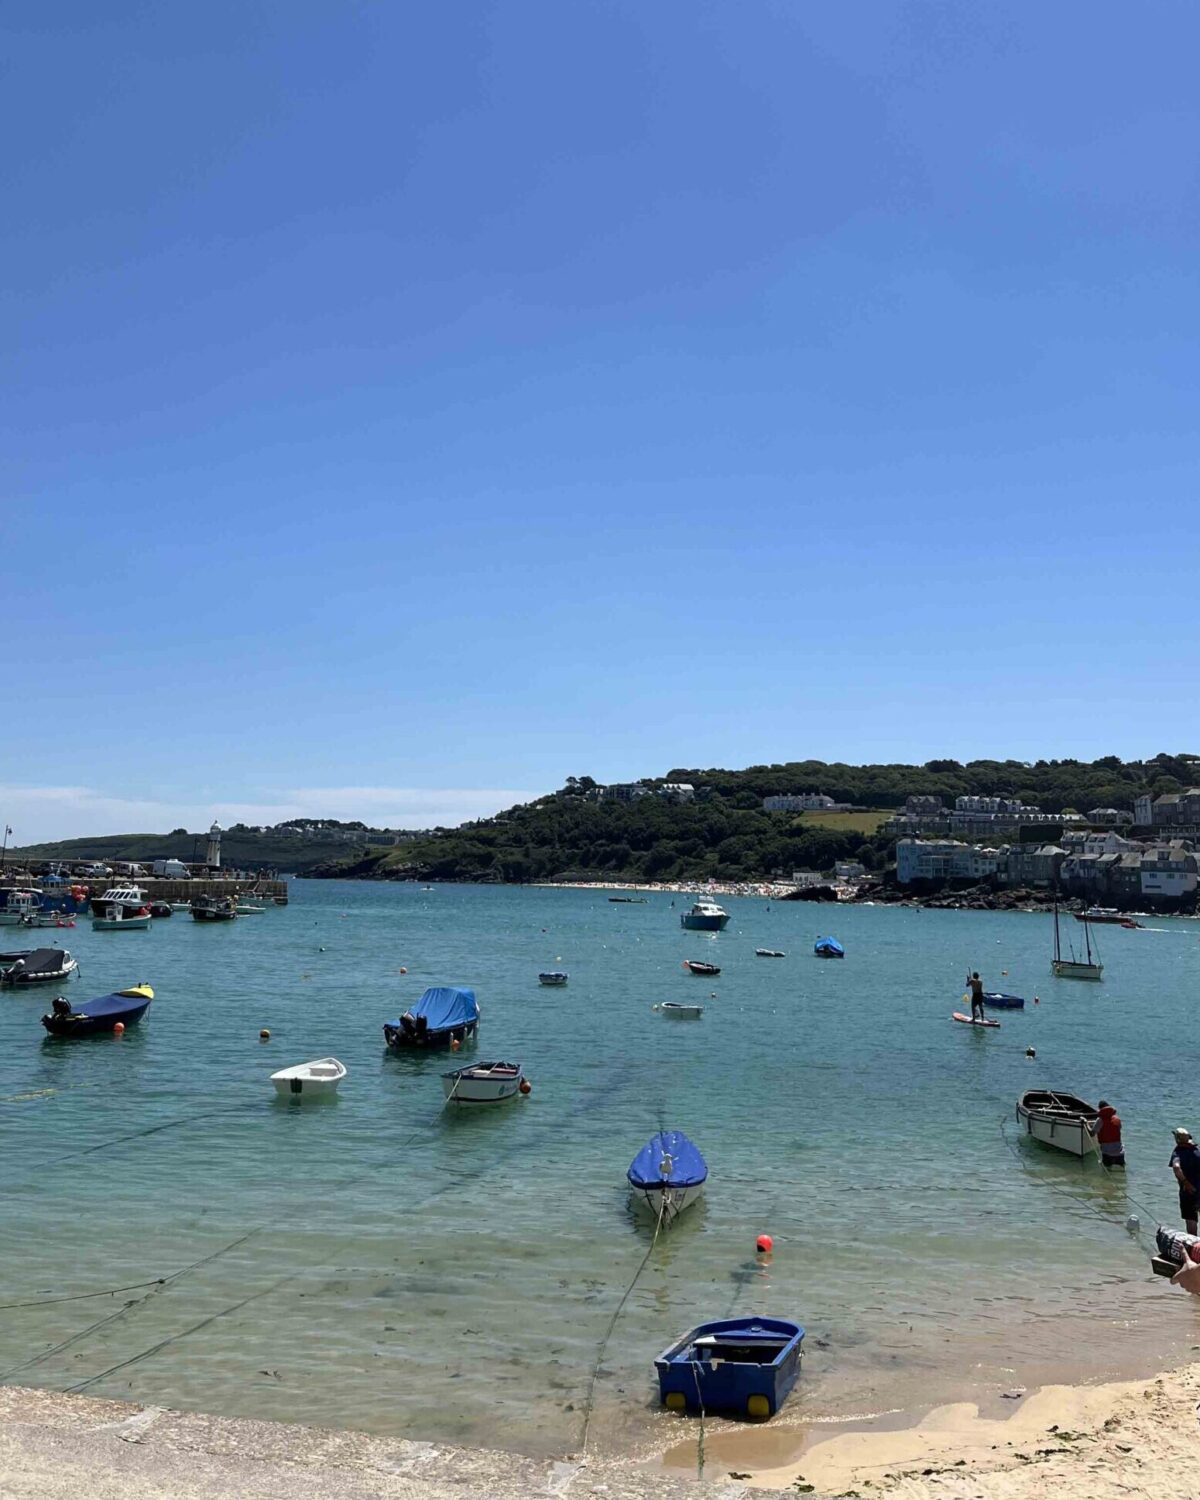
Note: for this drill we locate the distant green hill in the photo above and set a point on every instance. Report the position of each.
(725, 834)
(246, 851)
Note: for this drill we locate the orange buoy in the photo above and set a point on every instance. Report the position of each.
(119, 1029)
(525, 1086)
(764, 1244)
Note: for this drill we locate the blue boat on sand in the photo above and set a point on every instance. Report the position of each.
(97, 1016)
(667, 1175)
(442, 1015)
(828, 947)
(741, 1366)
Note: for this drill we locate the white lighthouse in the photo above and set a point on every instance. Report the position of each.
(212, 854)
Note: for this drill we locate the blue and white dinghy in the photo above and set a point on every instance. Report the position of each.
(667, 1175)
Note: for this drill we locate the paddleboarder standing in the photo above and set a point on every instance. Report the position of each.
(975, 985)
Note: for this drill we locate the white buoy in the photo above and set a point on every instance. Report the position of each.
(1133, 1223)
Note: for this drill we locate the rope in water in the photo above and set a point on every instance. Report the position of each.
(589, 1404)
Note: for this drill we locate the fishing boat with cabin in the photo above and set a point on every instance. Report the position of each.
(704, 916)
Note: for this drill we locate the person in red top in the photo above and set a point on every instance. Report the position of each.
(1107, 1130)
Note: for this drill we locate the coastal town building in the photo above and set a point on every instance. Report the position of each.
(677, 791)
(803, 802)
(943, 859)
(624, 791)
(1033, 864)
(924, 807)
(1107, 815)
(1169, 871)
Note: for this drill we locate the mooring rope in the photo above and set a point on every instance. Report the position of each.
(589, 1404)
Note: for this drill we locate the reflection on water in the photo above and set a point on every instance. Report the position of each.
(398, 1265)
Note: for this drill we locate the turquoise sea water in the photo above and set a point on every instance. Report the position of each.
(383, 1263)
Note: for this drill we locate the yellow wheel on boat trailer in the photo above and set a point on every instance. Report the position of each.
(677, 1401)
(759, 1408)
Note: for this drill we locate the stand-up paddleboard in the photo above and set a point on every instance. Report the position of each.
(971, 1021)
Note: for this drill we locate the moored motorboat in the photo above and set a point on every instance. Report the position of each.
(828, 947)
(38, 966)
(47, 919)
(180, 905)
(553, 977)
(126, 898)
(249, 909)
(697, 966)
(159, 909)
(213, 908)
(443, 1014)
(310, 1080)
(679, 1011)
(667, 1175)
(1059, 1120)
(484, 1083)
(20, 906)
(745, 1366)
(997, 1001)
(95, 1016)
(768, 953)
(704, 916)
(1106, 916)
(118, 919)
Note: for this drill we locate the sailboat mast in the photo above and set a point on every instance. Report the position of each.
(1057, 944)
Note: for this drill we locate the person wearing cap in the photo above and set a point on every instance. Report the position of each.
(1106, 1127)
(1185, 1163)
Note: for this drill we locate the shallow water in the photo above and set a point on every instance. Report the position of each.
(383, 1263)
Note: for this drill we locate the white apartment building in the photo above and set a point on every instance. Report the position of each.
(801, 802)
(944, 859)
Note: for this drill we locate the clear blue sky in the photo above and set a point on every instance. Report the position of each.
(409, 406)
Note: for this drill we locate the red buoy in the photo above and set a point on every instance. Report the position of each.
(764, 1244)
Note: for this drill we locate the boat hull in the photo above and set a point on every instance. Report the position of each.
(400, 1040)
(1069, 1135)
(702, 923)
(460, 1087)
(120, 924)
(678, 1011)
(743, 1366)
(55, 976)
(306, 1088)
(1063, 968)
(665, 1204)
(80, 1023)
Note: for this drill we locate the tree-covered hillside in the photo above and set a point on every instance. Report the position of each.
(724, 833)
(239, 850)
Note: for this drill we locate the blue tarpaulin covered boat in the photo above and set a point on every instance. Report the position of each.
(95, 1016)
(443, 1014)
(827, 947)
(744, 1366)
(996, 1001)
(667, 1175)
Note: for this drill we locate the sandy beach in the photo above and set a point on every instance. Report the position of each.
(1075, 1442)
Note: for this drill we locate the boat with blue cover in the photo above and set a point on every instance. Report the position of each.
(443, 1014)
(996, 1001)
(742, 1366)
(828, 947)
(667, 1175)
(556, 978)
(96, 1016)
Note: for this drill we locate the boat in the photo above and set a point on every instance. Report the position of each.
(553, 977)
(38, 966)
(1106, 915)
(443, 1014)
(680, 1012)
(827, 947)
(213, 908)
(743, 1366)
(129, 898)
(697, 966)
(18, 906)
(161, 909)
(180, 905)
(310, 1080)
(628, 900)
(483, 1083)
(47, 919)
(768, 953)
(667, 1175)
(249, 909)
(119, 920)
(96, 1016)
(1073, 968)
(1058, 1120)
(704, 916)
(994, 1000)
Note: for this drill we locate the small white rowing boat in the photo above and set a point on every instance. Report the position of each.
(1058, 1120)
(679, 1011)
(310, 1080)
(483, 1083)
